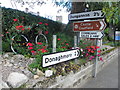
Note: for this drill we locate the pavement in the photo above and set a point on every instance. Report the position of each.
(106, 78)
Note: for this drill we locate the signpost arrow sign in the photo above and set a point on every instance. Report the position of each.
(96, 25)
(86, 15)
(91, 34)
(55, 58)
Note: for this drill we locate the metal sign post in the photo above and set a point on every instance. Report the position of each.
(96, 60)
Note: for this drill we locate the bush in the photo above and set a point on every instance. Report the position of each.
(6, 46)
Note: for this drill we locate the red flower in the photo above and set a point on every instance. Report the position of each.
(58, 39)
(43, 51)
(23, 29)
(97, 47)
(63, 47)
(93, 47)
(99, 51)
(44, 47)
(46, 32)
(29, 44)
(21, 26)
(32, 51)
(40, 23)
(28, 28)
(15, 20)
(46, 24)
(30, 48)
(89, 50)
(101, 59)
(17, 27)
(40, 49)
(39, 43)
(92, 51)
(67, 44)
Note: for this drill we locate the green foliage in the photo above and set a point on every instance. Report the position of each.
(26, 20)
(29, 20)
(6, 46)
(64, 42)
(112, 12)
(107, 51)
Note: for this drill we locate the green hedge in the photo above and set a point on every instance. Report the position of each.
(9, 14)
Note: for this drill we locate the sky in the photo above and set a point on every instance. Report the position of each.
(48, 10)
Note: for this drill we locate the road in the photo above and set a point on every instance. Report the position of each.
(106, 78)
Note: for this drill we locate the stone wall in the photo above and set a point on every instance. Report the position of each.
(82, 75)
(68, 81)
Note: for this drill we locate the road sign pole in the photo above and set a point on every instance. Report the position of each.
(75, 45)
(96, 59)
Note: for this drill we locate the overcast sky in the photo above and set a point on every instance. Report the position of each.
(45, 10)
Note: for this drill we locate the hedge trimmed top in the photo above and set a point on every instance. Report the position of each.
(9, 14)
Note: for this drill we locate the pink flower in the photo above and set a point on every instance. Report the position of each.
(39, 43)
(40, 49)
(32, 51)
(19, 27)
(90, 58)
(99, 51)
(67, 44)
(92, 51)
(29, 44)
(58, 39)
(89, 50)
(40, 23)
(15, 20)
(101, 59)
(30, 48)
(43, 51)
(46, 32)
(87, 54)
(97, 47)
(28, 28)
(98, 55)
(46, 24)
(23, 29)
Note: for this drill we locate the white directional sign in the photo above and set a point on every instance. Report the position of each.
(85, 15)
(55, 58)
(91, 34)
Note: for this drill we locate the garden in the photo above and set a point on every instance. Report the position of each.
(32, 37)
